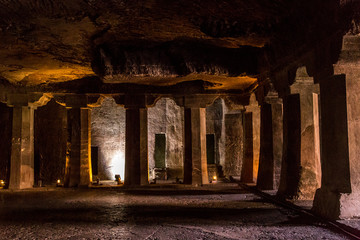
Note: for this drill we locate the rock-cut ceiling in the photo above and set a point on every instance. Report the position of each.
(226, 44)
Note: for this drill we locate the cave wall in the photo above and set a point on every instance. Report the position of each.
(233, 143)
(174, 146)
(50, 130)
(156, 125)
(5, 141)
(108, 134)
(255, 109)
(214, 125)
(167, 118)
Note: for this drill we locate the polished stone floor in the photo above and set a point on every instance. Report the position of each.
(222, 211)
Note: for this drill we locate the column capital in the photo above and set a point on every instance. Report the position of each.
(33, 100)
(76, 101)
(136, 100)
(272, 97)
(195, 100)
(237, 102)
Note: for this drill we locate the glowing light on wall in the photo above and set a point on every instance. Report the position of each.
(117, 165)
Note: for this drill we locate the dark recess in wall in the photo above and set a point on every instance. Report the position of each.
(5, 141)
(50, 143)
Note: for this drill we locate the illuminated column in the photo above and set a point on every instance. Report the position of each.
(22, 150)
(136, 142)
(253, 107)
(78, 166)
(22, 146)
(271, 126)
(310, 171)
(248, 159)
(195, 162)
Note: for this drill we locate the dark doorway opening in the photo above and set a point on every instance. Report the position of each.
(210, 148)
(160, 148)
(94, 160)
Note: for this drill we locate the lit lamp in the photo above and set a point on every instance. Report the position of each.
(214, 178)
(58, 183)
(118, 179)
(2, 184)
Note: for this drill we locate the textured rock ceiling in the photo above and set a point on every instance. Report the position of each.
(149, 42)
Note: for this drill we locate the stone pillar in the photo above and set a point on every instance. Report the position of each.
(265, 179)
(195, 162)
(339, 195)
(277, 134)
(136, 146)
(248, 156)
(254, 108)
(309, 159)
(291, 167)
(22, 149)
(78, 167)
(331, 200)
(22, 145)
(234, 145)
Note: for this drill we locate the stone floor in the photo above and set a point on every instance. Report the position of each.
(218, 211)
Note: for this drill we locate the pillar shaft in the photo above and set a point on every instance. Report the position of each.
(265, 179)
(291, 167)
(195, 162)
(79, 147)
(277, 133)
(22, 149)
(136, 147)
(309, 142)
(234, 144)
(335, 177)
(248, 158)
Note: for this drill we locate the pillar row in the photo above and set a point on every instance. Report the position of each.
(195, 162)
(136, 147)
(22, 150)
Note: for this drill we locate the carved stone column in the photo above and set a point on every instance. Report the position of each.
(333, 199)
(310, 175)
(136, 141)
(195, 164)
(195, 161)
(78, 167)
(247, 169)
(265, 179)
(291, 165)
(22, 146)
